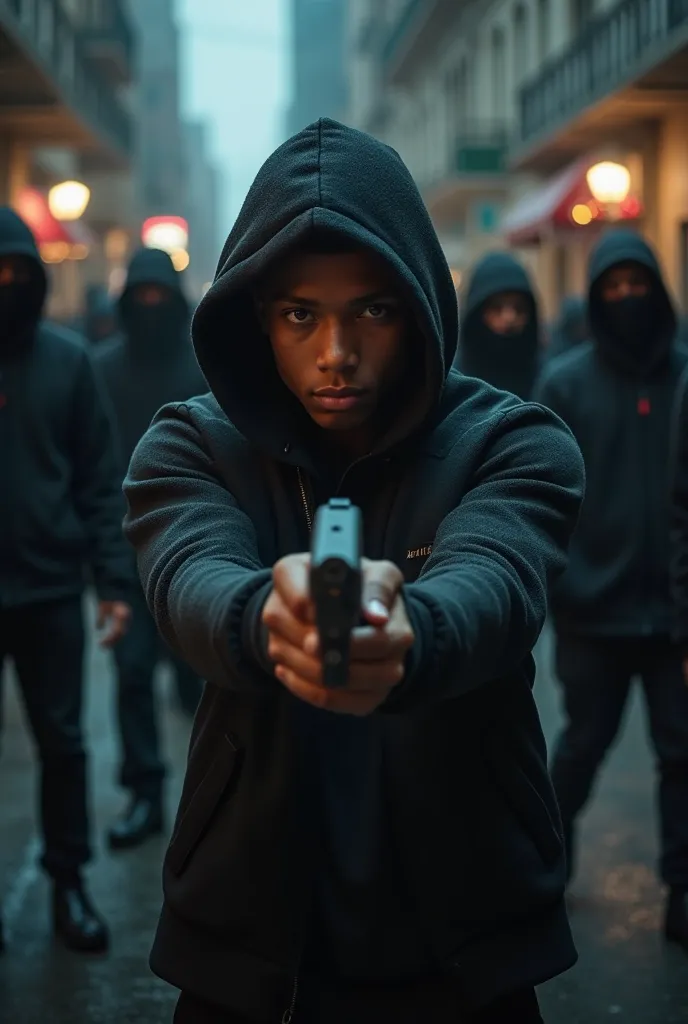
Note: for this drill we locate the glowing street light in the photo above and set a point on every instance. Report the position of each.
(166, 233)
(180, 259)
(68, 200)
(609, 182)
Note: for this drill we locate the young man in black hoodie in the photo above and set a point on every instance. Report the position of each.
(500, 333)
(151, 364)
(390, 851)
(60, 514)
(612, 608)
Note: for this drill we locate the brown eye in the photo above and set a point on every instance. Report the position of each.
(377, 312)
(298, 316)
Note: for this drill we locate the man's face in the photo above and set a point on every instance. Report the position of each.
(624, 281)
(507, 313)
(150, 295)
(339, 332)
(14, 270)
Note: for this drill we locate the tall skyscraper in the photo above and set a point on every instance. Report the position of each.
(319, 78)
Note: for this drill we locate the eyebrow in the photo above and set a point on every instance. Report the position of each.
(361, 300)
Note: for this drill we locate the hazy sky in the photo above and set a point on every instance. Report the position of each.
(235, 75)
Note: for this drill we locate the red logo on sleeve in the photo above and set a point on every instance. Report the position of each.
(644, 407)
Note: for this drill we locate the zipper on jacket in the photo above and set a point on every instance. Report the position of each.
(288, 1015)
(304, 500)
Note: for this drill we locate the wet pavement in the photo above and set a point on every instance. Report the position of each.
(626, 973)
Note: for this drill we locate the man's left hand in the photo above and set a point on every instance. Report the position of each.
(113, 621)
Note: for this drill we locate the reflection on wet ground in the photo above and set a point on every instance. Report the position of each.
(625, 971)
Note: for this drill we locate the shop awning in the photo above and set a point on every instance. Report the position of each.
(547, 207)
(33, 207)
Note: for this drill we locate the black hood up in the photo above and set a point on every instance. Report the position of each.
(153, 266)
(16, 239)
(509, 363)
(333, 178)
(624, 246)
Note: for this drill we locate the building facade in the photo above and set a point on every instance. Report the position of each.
(207, 234)
(501, 106)
(318, 58)
(64, 114)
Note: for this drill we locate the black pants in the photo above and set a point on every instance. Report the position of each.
(137, 656)
(46, 644)
(596, 674)
(314, 1009)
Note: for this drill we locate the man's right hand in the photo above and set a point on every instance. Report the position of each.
(378, 650)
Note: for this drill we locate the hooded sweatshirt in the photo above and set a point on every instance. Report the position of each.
(152, 362)
(617, 396)
(509, 362)
(571, 328)
(293, 821)
(61, 506)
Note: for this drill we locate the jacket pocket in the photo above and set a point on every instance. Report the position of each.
(196, 819)
(527, 804)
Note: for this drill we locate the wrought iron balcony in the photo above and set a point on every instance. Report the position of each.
(46, 35)
(612, 50)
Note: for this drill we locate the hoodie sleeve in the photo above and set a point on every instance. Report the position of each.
(197, 554)
(481, 601)
(679, 516)
(96, 487)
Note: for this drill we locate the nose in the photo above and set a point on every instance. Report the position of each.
(337, 352)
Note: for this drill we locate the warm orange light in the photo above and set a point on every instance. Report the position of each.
(609, 182)
(581, 214)
(68, 200)
(180, 259)
(166, 233)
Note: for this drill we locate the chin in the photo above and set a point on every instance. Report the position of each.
(338, 421)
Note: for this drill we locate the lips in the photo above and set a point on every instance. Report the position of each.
(338, 399)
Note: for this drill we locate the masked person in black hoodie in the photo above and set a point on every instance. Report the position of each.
(500, 335)
(152, 364)
(612, 608)
(60, 515)
(389, 851)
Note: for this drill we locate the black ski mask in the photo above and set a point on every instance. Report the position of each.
(633, 320)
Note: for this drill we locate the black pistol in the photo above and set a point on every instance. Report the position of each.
(336, 584)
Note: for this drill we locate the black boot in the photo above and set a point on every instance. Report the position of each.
(676, 920)
(143, 818)
(76, 921)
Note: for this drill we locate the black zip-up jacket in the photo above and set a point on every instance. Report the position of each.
(619, 406)
(508, 362)
(474, 494)
(149, 364)
(61, 507)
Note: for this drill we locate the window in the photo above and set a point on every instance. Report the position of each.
(543, 29)
(521, 43)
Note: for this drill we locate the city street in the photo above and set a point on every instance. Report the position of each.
(625, 971)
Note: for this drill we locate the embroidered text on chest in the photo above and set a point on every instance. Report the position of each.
(423, 552)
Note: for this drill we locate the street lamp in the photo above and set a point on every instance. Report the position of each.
(68, 200)
(609, 182)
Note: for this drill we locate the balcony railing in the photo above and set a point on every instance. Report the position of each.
(610, 50)
(110, 40)
(51, 38)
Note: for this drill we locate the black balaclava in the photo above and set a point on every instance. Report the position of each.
(152, 330)
(636, 333)
(21, 303)
(507, 361)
